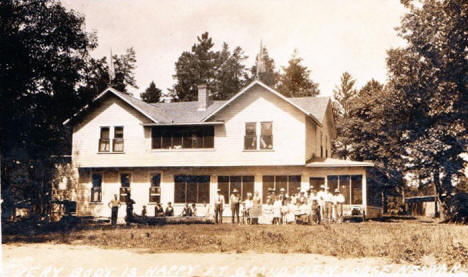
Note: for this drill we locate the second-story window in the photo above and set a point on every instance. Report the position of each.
(250, 139)
(175, 137)
(104, 141)
(266, 136)
(118, 143)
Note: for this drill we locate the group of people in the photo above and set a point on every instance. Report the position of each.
(303, 207)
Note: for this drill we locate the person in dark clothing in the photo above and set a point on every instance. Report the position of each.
(114, 204)
(143, 211)
(235, 206)
(129, 202)
(169, 210)
(187, 211)
(158, 210)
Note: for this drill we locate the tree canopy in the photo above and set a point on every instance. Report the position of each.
(152, 94)
(269, 75)
(43, 55)
(343, 96)
(222, 71)
(428, 79)
(295, 80)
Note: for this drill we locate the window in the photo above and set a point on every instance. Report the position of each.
(191, 189)
(104, 142)
(118, 142)
(345, 185)
(291, 184)
(124, 186)
(250, 139)
(356, 189)
(243, 184)
(350, 186)
(332, 183)
(316, 182)
(96, 189)
(155, 188)
(176, 137)
(266, 136)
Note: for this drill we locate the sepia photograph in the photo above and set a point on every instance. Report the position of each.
(221, 138)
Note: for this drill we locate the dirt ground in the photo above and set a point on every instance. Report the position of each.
(48, 259)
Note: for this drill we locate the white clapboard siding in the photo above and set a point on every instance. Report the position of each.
(295, 136)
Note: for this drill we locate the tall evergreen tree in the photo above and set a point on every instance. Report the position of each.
(343, 96)
(229, 75)
(269, 76)
(152, 94)
(295, 80)
(222, 71)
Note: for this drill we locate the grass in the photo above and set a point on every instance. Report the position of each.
(399, 242)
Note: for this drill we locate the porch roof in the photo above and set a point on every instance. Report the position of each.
(330, 162)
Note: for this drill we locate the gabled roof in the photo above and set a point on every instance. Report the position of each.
(302, 104)
(185, 113)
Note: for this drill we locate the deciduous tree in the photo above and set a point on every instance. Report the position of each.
(428, 79)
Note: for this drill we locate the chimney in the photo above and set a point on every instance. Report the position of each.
(203, 97)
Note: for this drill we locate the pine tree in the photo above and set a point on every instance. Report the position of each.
(343, 96)
(269, 76)
(295, 80)
(152, 94)
(222, 71)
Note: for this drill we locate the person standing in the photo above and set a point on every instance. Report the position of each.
(339, 205)
(169, 210)
(256, 210)
(129, 202)
(158, 210)
(219, 206)
(321, 195)
(114, 205)
(235, 206)
(277, 211)
(187, 211)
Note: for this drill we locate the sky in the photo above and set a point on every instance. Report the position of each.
(332, 36)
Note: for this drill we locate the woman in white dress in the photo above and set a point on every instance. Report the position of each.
(277, 211)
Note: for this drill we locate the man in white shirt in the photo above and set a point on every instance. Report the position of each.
(322, 196)
(339, 199)
(219, 205)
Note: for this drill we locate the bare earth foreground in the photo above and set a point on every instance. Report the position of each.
(359, 249)
(77, 260)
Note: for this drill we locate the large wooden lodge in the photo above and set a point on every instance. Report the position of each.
(184, 151)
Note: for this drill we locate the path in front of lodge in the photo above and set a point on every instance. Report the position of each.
(78, 260)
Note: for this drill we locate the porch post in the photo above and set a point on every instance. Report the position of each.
(213, 188)
(364, 190)
(258, 184)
